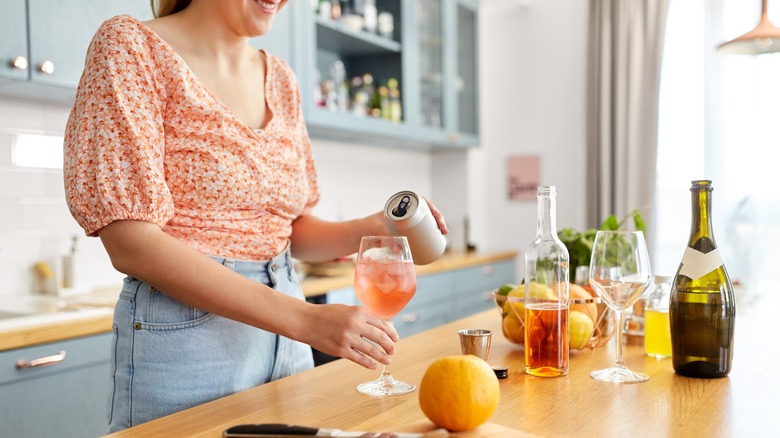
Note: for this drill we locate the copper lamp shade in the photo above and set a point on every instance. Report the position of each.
(765, 38)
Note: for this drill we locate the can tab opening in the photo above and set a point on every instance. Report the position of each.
(403, 205)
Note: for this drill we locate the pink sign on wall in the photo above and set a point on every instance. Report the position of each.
(523, 172)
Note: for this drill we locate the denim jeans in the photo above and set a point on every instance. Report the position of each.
(168, 356)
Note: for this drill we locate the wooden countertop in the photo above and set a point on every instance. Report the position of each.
(313, 286)
(42, 329)
(743, 404)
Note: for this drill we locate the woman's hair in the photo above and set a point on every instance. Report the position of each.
(161, 8)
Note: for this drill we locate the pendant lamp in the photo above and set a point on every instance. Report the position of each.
(765, 38)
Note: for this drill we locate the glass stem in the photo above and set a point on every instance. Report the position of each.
(619, 335)
(385, 373)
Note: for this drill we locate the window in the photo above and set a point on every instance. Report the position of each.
(32, 150)
(717, 120)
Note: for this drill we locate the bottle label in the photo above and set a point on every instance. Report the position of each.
(696, 264)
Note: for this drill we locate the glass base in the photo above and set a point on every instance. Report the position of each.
(619, 374)
(385, 385)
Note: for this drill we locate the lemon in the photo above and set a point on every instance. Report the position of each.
(540, 291)
(515, 308)
(459, 392)
(580, 329)
(513, 329)
(503, 291)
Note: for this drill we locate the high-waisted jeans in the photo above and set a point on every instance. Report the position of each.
(168, 356)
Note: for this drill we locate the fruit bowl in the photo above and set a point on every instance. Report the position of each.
(512, 311)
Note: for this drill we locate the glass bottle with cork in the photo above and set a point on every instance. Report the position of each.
(701, 306)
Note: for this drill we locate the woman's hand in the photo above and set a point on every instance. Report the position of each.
(351, 332)
(438, 216)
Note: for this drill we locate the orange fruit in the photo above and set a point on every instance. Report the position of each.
(578, 292)
(459, 392)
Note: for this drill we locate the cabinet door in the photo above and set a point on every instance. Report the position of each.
(65, 399)
(465, 68)
(13, 40)
(60, 32)
(444, 64)
(475, 286)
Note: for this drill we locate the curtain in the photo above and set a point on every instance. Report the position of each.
(624, 67)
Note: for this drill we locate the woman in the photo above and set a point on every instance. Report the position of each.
(200, 195)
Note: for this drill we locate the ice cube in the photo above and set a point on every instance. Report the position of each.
(385, 283)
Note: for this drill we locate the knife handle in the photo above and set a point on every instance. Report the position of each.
(271, 430)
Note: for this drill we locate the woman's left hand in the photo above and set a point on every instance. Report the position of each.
(438, 216)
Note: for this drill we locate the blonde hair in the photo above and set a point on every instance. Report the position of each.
(161, 8)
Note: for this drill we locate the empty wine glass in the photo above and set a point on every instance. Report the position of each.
(620, 273)
(385, 282)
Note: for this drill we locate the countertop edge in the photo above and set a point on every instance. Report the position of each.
(313, 286)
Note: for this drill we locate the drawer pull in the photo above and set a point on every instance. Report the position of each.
(488, 270)
(46, 67)
(410, 317)
(19, 63)
(43, 361)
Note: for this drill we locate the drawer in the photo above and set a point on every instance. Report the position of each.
(410, 322)
(431, 289)
(485, 277)
(470, 303)
(79, 353)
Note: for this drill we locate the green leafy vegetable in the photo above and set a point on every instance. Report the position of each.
(580, 243)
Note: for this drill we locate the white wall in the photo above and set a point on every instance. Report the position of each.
(533, 59)
(533, 77)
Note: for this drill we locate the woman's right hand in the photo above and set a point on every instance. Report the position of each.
(350, 332)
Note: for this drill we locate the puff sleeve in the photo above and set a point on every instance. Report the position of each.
(114, 145)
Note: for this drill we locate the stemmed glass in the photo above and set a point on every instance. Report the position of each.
(620, 273)
(385, 282)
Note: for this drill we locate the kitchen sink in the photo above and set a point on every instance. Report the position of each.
(6, 315)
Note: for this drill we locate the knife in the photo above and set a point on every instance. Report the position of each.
(273, 430)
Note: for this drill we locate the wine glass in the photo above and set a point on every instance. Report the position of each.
(620, 273)
(385, 282)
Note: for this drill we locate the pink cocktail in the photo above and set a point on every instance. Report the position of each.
(384, 286)
(385, 282)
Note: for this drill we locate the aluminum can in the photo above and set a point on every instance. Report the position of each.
(407, 214)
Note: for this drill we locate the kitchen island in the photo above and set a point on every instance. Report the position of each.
(743, 404)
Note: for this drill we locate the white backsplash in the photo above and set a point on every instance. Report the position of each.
(35, 224)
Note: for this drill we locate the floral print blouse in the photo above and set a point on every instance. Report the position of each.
(147, 141)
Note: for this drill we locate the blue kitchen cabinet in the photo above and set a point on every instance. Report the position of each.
(68, 398)
(442, 67)
(433, 55)
(45, 43)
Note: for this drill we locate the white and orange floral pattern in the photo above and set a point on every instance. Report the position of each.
(146, 140)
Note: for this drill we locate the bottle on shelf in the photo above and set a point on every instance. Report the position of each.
(701, 306)
(394, 98)
(546, 294)
(369, 16)
(658, 339)
(385, 24)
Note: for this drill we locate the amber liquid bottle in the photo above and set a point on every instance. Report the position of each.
(701, 304)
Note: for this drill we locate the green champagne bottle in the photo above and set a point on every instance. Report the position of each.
(701, 304)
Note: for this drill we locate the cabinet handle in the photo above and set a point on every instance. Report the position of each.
(487, 295)
(488, 270)
(42, 362)
(410, 317)
(46, 67)
(19, 63)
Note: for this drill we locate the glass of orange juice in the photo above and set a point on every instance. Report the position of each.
(385, 282)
